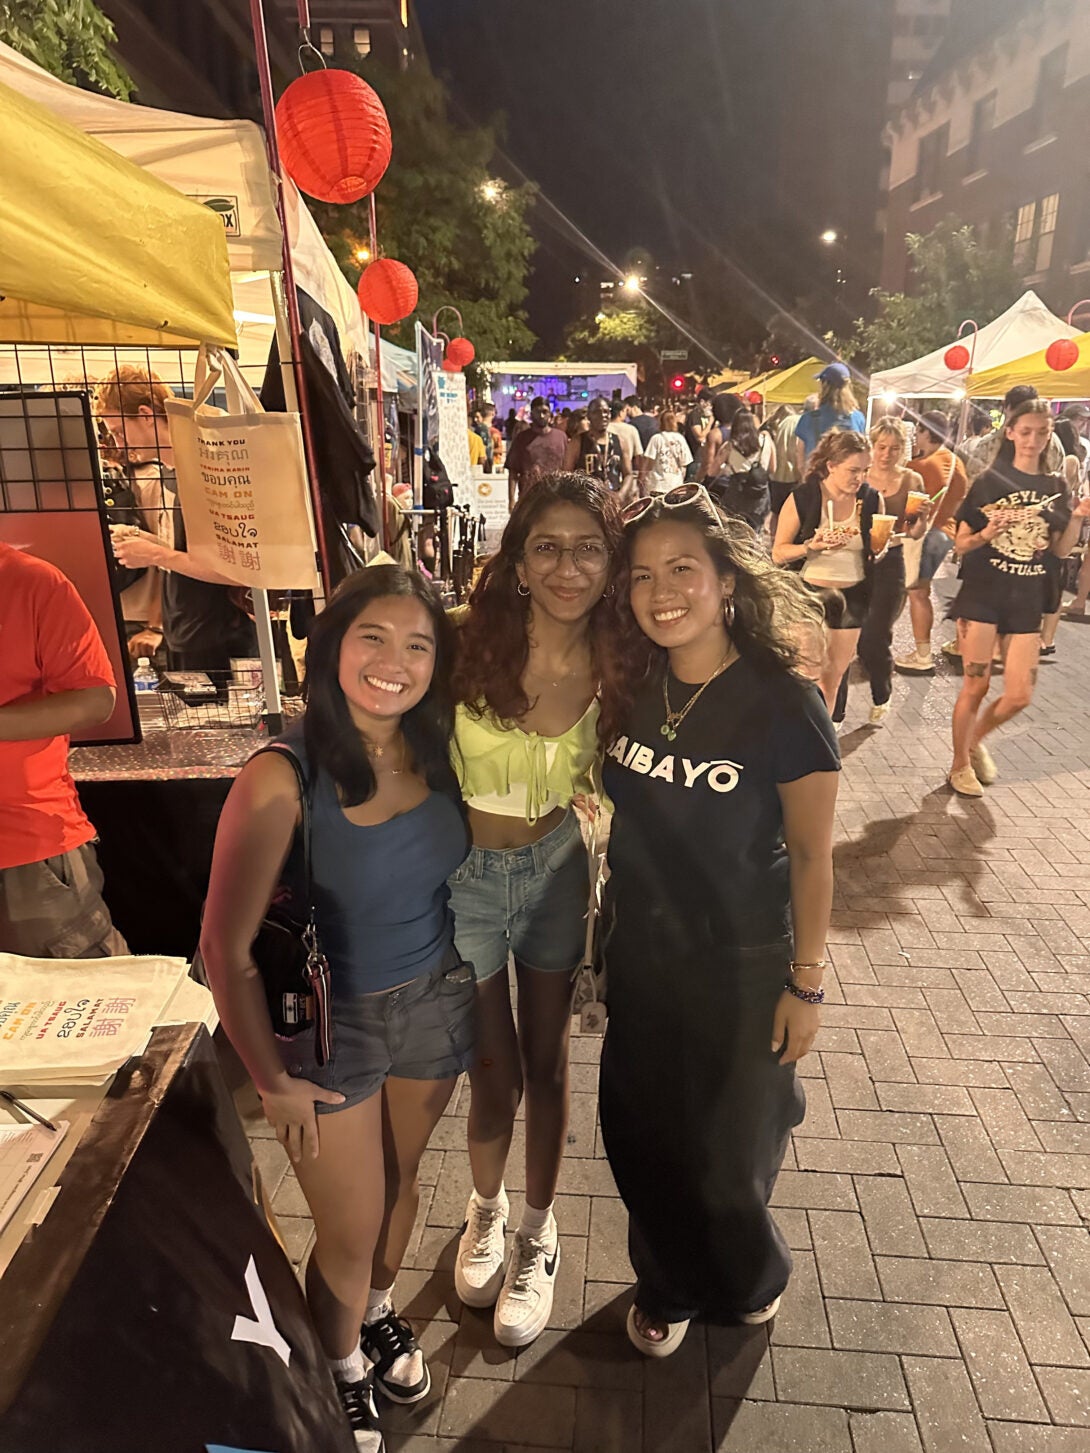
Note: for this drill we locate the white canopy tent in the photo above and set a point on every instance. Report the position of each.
(1025, 327)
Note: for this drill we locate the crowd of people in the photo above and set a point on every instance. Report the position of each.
(657, 650)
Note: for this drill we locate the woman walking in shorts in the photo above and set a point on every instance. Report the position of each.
(724, 780)
(386, 828)
(1013, 516)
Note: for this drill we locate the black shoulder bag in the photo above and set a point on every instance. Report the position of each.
(289, 958)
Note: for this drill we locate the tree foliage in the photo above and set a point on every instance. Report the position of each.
(617, 335)
(467, 246)
(70, 39)
(954, 277)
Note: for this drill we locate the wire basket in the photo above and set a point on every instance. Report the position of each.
(236, 705)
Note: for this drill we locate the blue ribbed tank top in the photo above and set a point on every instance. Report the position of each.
(380, 893)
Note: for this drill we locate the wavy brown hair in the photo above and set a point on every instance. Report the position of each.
(493, 641)
(832, 449)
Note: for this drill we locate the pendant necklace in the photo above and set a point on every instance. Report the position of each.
(675, 718)
(380, 752)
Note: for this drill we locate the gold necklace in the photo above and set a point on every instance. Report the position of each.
(675, 718)
(380, 752)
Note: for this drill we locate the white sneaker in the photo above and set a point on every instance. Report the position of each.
(527, 1297)
(878, 714)
(917, 660)
(478, 1270)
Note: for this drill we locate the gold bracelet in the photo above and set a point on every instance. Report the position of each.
(820, 965)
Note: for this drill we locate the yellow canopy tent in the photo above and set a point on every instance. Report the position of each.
(728, 378)
(1069, 383)
(791, 385)
(95, 250)
(753, 385)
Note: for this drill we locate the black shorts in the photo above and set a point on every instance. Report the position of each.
(1013, 612)
(846, 609)
(1055, 574)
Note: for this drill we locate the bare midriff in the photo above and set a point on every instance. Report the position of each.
(490, 830)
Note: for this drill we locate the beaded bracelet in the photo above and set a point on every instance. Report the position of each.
(808, 996)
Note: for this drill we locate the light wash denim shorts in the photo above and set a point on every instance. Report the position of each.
(530, 902)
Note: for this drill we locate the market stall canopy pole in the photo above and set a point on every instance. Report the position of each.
(88, 235)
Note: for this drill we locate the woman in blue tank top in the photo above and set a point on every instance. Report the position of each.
(387, 830)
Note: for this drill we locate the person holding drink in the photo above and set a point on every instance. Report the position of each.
(825, 531)
(1013, 515)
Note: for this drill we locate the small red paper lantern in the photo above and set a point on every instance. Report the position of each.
(956, 357)
(333, 135)
(1062, 354)
(449, 366)
(461, 352)
(388, 290)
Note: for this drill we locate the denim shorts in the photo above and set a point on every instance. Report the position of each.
(936, 547)
(530, 902)
(425, 1030)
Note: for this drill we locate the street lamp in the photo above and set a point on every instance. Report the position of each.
(491, 191)
(830, 236)
(362, 254)
(632, 283)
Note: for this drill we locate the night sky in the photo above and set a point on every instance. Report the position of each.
(689, 128)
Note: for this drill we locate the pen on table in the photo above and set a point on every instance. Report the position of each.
(18, 1104)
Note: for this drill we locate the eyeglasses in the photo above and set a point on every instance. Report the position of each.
(673, 499)
(590, 557)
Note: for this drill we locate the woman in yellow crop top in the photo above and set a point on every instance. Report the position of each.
(542, 681)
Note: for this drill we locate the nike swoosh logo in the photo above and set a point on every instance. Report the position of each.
(550, 1265)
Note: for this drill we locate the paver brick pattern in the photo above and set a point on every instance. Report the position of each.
(936, 1198)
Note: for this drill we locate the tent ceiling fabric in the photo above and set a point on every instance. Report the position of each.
(88, 233)
(1026, 326)
(1069, 383)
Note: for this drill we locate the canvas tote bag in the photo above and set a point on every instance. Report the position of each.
(242, 483)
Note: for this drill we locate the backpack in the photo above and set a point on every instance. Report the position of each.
(743, 493)
(438, 490)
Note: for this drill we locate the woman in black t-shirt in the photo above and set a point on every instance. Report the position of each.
(724, 785)
(1012, 517)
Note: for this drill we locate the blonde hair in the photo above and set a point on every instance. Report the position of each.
(891, 426)
(128, 388)
(838, 396)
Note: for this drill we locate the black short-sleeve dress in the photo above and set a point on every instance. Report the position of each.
(695, 1107)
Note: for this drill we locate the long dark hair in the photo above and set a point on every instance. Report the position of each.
(331, 737)
(743, 434)
(777, 621)
(1005, 457)
(493, 642)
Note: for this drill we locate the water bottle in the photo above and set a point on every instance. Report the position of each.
(145, 680)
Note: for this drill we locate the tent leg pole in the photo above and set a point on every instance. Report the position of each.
(274, 715)
(380, 441)
(291, 398)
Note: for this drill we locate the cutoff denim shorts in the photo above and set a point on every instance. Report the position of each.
(425, 1030)
(936, 546)
(530, 902)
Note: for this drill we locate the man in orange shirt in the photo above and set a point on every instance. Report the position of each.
(55, 677)
(940, 469)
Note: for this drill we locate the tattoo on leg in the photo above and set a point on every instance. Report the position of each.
(977, 668)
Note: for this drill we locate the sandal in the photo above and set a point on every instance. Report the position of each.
(675, 1335)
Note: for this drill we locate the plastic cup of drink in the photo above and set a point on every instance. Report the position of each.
(915, 503)
(880, 530)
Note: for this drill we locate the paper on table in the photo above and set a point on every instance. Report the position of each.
(70, 1021)
(25, 1151)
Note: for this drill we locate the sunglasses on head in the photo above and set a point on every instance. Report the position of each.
(673, 499)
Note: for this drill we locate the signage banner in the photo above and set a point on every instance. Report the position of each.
(487, 498)
(453, 429)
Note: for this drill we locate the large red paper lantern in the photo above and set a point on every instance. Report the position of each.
(956, 357)
(333, 135)
(1062, 354)
(388, 290)
(461, 352)
(449, 366)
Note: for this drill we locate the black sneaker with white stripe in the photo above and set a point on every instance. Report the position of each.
(400, 1372)
(358, 1401)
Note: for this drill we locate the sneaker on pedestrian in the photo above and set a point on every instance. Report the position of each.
(878, 714)
(983, 764)
(478, 1270)
(762, 1314)
(916, 660)
(400, 1371)
(526, 1299)
(358, 1402)
(965, 783)
(952, 649)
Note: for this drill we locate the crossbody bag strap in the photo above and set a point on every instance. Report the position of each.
(304, 819)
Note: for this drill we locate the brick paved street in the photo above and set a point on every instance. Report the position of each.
(937, 1196)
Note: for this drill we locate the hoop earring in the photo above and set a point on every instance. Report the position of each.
(728, 611)
(610, 592)
(522, 589)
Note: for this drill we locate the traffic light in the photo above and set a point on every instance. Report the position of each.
(677, 383)
(774, 360)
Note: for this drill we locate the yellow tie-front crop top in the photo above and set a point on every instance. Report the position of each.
(517, 773)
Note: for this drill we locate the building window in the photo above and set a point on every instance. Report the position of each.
(929, 162)
(1050, 84)
(325, 39)
(1046, 231)
(1023, 233)
(983, 122)
(361, 39)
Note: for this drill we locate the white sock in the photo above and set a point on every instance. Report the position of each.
(923, 648)
(350, 1368)
(491, 1203)
(537, 1223)
(380, 1303)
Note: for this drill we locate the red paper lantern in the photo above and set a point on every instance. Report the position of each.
(461, 352)
(333, 135)
(1062, 354)
(956, 357)
(388, 291)
(449, 366)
